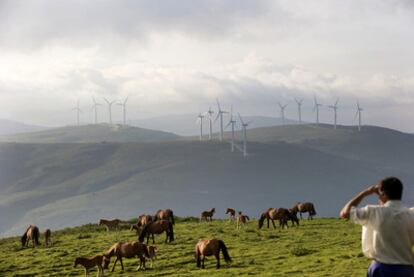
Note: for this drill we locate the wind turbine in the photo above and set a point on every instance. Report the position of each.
(232, 122)
(299, 102)
(282, 112)
(220, 114)
(123, 104)
(244, 126)
(358, 113)
(316, 108)
(210, 118)
(335, 108)
(109, 108)
(78, 111)
(95, 108)
(200, 118)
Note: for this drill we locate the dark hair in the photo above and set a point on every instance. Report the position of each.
(392, 188)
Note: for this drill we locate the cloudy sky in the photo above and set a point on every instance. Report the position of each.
(174, 57)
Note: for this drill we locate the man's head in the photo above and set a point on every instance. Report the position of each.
(390, 188)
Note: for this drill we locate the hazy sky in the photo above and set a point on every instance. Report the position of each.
(177, 56)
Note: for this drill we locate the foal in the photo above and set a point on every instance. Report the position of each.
(207, 215)
(89, 263)
(241, 220)
(232, 213)
(152, 253)
(48, 239)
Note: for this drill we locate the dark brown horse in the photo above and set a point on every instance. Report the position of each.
(31, 233)
(293, 217)
(142, 221)
(208, 248)
(232, 213)
(306, 207)
(207, 215)
(167, 214)
(157, 227)
(48, 237)
(272, 214)
(126, 250)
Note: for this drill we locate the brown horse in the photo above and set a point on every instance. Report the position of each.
(293, 217)
(272, 214)
(89, 263)
(306, 207)
(167, 214)
(110, 224)
(157, 227)
(207, 215)
(241, 220)
(152, 252)
(126, 250)
(48, 237)
(210, 247)
(32, 233)
(142, 221)
(232, 213)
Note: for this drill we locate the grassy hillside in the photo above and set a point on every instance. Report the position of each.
(322, 247)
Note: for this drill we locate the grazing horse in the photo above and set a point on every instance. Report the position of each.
(232, 213)
(126, 250)
(157, 227)
(89, 263)
(165, 214)
(110, 224)
(241, 220)
(32, 233)
(211, 247)
(48, 237)
(142, 221)
(306, 207)
(272, 214)
(207, 215)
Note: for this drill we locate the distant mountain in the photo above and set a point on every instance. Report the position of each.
(91, 133)
(186, 125)
(8, 127)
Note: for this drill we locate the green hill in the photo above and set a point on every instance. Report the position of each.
(322, 247)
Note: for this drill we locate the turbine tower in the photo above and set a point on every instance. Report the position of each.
(78, 111)
(335, 108)
(244, 126)
(109, 109)
(220, 114)
(232, 122)
(299, 102)
(95, 108)
(358, 113)
(282, 112)
(123, 104)
(210, 118)
(316, 109)
(200, 118)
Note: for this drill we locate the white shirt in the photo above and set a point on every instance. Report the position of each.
(387, 232)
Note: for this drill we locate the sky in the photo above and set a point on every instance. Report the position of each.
(177, 57)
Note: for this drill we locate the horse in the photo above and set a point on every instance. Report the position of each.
(31, 233)
(207, 215)
(142, 221)
(241, 220)
(306, 207)
(126, 250)
(293, 217)
(157, 227)
(167, 214)
(210, 247)
(272, 214)
(48, 239)
(152, 252)
(89, 263)
(110, 224)
(232, 213)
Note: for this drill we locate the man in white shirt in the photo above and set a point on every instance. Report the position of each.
(387, 229)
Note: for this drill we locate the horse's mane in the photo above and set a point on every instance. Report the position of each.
(144, 231)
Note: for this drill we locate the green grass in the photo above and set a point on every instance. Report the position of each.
(322, 247)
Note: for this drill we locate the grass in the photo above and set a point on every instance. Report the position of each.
(322, 247)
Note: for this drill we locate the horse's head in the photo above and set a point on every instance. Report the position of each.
(23, 239)
(213, 210)
(261, 220)
(76, 262)
(106, 261)
(101, 222)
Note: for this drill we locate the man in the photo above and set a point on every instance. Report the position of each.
(387, 229)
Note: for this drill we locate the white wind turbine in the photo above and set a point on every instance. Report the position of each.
(200, 118)
(316, 109)
(282, 112)
(220, 114)
(358, 113)
(210, 113)
(95, 108)
(299, 103)
(123, 104)
(335, 109)
(244, 126)
(110, 103)
(78, 111)
(232, 122)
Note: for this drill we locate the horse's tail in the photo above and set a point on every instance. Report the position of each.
(171, 231)
(172, 218)
(36, 234)
(313, 209)
(247, 217)
(197, 256)
(223, 249)
(144, 231)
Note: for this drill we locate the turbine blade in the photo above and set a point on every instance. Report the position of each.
(218, 105)
(241, 120)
